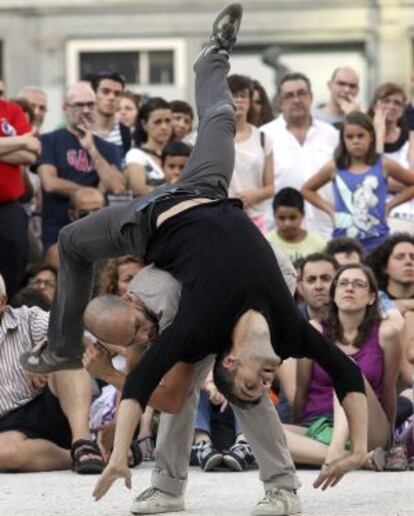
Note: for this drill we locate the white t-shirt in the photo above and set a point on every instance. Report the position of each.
(249, 167)
(153, 172)
(294, 164)
(404, 211)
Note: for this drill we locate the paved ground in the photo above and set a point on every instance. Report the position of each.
(208, 494)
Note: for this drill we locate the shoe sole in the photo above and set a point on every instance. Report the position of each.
(212, 463)
(235, 9)
(233, 463)
(75, 363)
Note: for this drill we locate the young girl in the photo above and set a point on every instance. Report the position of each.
(359, 176)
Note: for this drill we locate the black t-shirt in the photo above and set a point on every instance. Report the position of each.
(62, 150)
(227, 267)
(396, 146)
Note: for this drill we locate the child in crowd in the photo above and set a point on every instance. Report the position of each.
(173, 159)
(289, 212)
(359, 175)
(182, 120)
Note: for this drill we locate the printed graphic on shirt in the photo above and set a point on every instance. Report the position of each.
(358, 221)
(6, 128)
(78, 159)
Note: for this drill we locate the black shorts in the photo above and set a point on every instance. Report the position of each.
(41, 418)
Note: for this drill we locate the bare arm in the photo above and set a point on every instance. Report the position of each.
(303, 377)
(136, 178)
(390, 343)
(111, 178)
(404, 176)
(51, 183)
(19, 150)
(321, 178)
(173, 390)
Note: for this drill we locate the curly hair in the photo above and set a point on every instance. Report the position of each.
(378, 258)
(334, 330)
(108, 281)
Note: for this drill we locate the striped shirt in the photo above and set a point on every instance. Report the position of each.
(20, 330)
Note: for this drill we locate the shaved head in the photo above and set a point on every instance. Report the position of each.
(81, 88)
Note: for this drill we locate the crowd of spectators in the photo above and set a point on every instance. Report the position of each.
(330, 187)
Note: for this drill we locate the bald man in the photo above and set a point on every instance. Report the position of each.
(344, 89)
(73, 158)
(37, 100)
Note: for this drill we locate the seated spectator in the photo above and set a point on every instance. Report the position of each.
(345, 250)
(393, 140)
(117, 273)
(174, 158)
(393, 265)
(73, 157)
(182, 119)
(261, 110)
(252, 180)
(153, 132)
(29, 297)
(344, 88)
(289, 235)
(354, 324)
(43, 420)
(82, 202)
(44, 278)
(359, 176)
(316, 273)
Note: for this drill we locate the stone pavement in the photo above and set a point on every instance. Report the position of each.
(208, 494)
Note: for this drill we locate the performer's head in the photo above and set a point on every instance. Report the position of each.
(246, 371)
(122, 321)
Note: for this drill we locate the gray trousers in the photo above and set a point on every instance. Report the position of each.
(261, 426)
(121, 230)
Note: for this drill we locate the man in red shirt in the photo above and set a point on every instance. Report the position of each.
(17, 147)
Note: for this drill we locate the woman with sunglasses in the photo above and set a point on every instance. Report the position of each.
(354, 325)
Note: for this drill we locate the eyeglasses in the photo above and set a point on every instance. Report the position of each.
(355, 283)
(85, 213)
(82, 105)
(345, 84)
(45, 283)
(300, 94)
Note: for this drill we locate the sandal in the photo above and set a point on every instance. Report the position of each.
(396, 458)
(91, 466)
(376, 459)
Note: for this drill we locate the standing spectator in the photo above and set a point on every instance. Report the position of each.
(344, 88)
(252, 180)
(154, 131)
(289, 212)
(37, 100)
(359, 175)
(174, 158)
(261, 110)
(394, 140)
(73, 157)
(182, 118)
(301, 145)
(108, 88)
(128, 110)
(18, 147)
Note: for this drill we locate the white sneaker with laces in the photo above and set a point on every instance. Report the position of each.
(278, 502)
(155, 501)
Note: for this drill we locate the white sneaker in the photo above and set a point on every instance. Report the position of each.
(278, 502)
(155, 501)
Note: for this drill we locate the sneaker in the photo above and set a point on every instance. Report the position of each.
(396, 458)
(208, 457)
(224, 31)
(239, 457)
(44, 361)
(278, 502)
(194, 455)
(155, 501)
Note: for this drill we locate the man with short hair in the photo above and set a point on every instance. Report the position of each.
(44, 421)
(344, 88)
(301, 145)
(108, 87)
(316, 273)
(72, 157)
(345, 250)
(37, 100)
